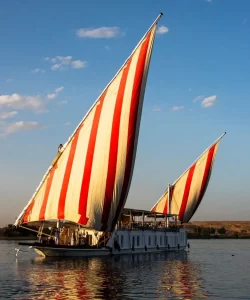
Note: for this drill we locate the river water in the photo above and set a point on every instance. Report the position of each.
(211, 269)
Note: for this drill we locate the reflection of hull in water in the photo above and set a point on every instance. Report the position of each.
(153, 256)
(161, 275)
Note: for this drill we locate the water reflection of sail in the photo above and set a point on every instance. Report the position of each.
(73, 279)
(162, 275)
(184, 280)
(154, 275)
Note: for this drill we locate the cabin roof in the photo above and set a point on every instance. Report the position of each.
(148, 213)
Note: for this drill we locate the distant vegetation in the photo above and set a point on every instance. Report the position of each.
(218, 229)
(11, 231)
(196, 229)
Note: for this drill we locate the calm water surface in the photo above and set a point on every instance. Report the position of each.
(212, 269)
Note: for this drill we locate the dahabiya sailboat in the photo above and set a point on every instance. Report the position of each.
(81, 197)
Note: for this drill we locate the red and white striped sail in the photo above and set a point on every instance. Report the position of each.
(89, 181)
(188, 190)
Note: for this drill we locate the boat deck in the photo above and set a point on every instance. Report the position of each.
(37, 244)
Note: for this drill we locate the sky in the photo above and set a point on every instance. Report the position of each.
(57, 56)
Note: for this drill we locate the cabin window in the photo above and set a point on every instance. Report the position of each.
(138, 241)
(166, 240)
(149, 240)
(155, 240)
(122, 240)
(160, 240)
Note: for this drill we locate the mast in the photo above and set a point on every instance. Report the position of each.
(169, 202)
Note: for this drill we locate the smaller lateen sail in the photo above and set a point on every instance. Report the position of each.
(187, 191)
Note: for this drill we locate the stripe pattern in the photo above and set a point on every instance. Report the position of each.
(88, 184)
(188, 191)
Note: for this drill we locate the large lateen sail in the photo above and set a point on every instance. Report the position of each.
(188, 190)
(89, 180)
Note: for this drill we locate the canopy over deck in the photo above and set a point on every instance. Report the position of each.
(147, 213)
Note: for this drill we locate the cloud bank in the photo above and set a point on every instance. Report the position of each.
(65, 62)
(10, 128)
(175, 108)
(98, 33)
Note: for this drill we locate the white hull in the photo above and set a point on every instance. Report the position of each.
(62, 252)
(67, 252)
(123, 242)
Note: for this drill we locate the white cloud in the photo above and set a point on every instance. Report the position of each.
(78, 64)
(175, 108)
(97, 33)
(9, 80)
(7, 129)
(156, 108)
(107, 48)
(208, 101)
(55, 67)
(198, 98)
(56, 92)
(162, 30)
(62, 102)
(7, 115)
(64, 59)
(51, 96)
(35, 104)
(37, 70)
(16, 101)
(65, 62)
(189, 89)
(209, 1)
(67, 123)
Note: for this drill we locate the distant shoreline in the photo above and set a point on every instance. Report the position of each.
(16, 238)
(4, 238)
(218, 237)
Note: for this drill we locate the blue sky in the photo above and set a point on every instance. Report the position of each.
(51, 73)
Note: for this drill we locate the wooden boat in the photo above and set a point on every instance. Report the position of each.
(79, 204)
